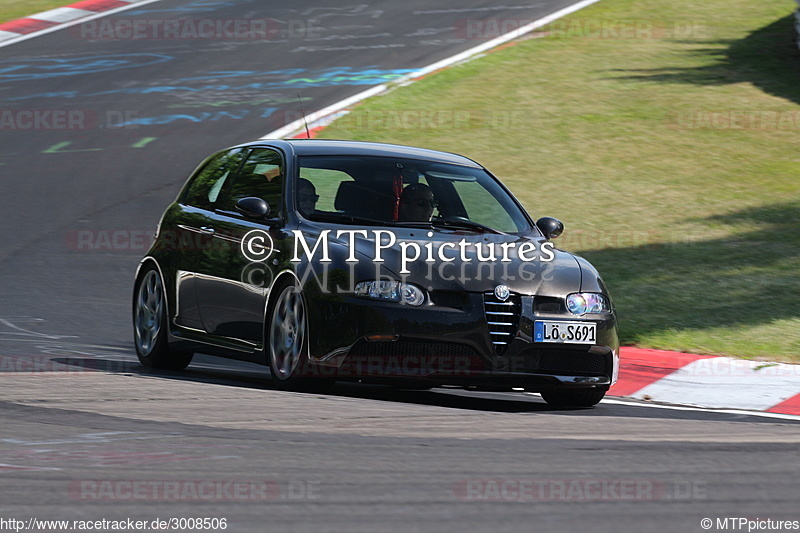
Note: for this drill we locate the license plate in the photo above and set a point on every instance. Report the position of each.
(564, 332)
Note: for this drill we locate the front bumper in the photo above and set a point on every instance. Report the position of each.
(355, 338)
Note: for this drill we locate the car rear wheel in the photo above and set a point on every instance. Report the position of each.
(150, 324)
(574, 398)
(288, 343)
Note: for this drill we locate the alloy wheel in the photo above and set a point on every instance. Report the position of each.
(149, 312)
(287, 333)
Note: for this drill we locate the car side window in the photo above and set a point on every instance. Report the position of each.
(261, 176)
(204, 189)
(325, 183)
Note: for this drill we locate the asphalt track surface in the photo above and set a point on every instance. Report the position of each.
(76, 207)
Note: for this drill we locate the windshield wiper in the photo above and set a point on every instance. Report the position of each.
(464, 224)
(448, 224)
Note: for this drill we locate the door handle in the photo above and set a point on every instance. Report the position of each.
(207, 230)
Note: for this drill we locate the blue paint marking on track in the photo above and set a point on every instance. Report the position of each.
(198, 117)
(200, 6)
(37, 69)
(321, 78)
(217, 74)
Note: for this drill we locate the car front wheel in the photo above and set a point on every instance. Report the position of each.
(150, 324)
(288, 343)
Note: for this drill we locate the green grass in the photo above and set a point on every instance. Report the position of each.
(694, 225)
(14, 9)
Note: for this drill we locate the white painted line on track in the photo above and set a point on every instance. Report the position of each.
(100, 14)
(639, 403)
(316, 116)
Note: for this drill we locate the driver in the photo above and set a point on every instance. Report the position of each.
(307, 197)
(417, 203)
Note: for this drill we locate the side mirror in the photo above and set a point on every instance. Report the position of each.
(252, 207)
(550, 227)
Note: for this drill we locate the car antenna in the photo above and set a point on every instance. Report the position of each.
(303, 112)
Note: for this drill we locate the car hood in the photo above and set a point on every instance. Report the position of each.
(558, 276)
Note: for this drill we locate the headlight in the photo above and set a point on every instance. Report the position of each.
(581, 303)
(393, 291)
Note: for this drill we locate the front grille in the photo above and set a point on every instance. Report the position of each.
(502, 319)
(560, 362)
(413, 358)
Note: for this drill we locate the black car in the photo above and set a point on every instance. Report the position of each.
(340, 260)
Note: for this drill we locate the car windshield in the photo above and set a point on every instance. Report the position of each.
(372, 190)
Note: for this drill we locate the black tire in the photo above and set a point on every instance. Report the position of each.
(573, 398)
(150, 324)
(286, 343)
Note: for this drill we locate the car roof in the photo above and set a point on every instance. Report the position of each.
(307, 147)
